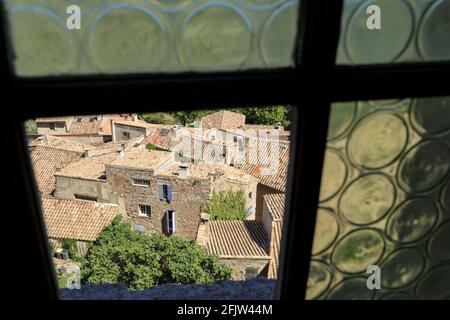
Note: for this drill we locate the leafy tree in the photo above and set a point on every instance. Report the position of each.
(158, 118)
(121, 254)
(227, 205)
(189, 117)
(30, 127)
(266, 115)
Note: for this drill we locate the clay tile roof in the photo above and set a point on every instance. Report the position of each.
(142, 158)
(223, 120)
(46, 161)
(60, 143)
(87, 125)
(266, 161)
(88, 168)
(274, 249)
(275, 203)
(76, 219)
(237, 239)
(138, 123)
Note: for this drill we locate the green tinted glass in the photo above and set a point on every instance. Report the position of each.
(384, 201)
(150, 36)
(390, 31)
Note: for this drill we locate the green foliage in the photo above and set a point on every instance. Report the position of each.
(187, 118)
(121, 254)
(30, 127)
(62, 281)
(158, 118)
(150, 147)
(267, 115)
(227, 205)
(70, 245)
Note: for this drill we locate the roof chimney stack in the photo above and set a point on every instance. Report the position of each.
(183, 171)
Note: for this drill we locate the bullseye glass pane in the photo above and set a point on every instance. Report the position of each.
(73, 37)
(384, 202)
(394, 31)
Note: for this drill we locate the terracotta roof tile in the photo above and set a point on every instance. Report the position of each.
(76, 219)
(61, 143)
(46, 161)
(274, 249)
(88, 168)
(142, 158)
(275, 203)
(223, 120)
(237, 239)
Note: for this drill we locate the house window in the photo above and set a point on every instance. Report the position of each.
(52, 126)
(165, 192)
(126, 135)
(145, 210)
(170, 221)
(251, 273)
(141, 182)
(250, 194)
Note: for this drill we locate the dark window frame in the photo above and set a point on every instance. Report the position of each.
(312, 84)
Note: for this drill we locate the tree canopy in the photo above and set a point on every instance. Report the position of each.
(227, 205)
(121, 254)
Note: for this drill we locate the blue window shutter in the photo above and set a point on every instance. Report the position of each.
(169, 193)
(160, 193)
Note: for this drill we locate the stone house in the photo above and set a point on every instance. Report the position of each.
(159, 195)
(126, 129)
(78, 220)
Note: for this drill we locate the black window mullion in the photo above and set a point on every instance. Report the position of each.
(320, 20)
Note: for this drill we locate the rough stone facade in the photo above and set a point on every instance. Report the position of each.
(241, 266)
(44, 128)
(189, 196)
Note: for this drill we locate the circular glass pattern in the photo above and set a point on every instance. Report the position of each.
(431, 115)
(386, 44)
(319, 279)
(358, 250)
(423, 166)
(278, 36)
(127, 38)
(261, 3)
(401, 268)
(377, 140)
(412, 220)
(433, 36)
(341, 117)
(334, 174)
(435, 285)
(396, 296)
(42, 45)
(326, 230)
(172, 5)
(215, 36)
(83, 4)
(445, 197)
(439, 246)
(387, 103)
(351, 289)
(367, 199)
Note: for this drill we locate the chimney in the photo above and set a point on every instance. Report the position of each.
(183, 171)
(113, 131)
(134, 116)
(120, 151)
(278, 126)
(87, 152)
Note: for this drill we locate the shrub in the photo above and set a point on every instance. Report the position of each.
(227, 205)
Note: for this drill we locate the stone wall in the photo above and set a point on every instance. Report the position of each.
(189, 197)
(239, 266)
(255, 289)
